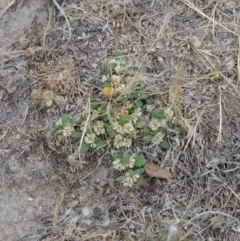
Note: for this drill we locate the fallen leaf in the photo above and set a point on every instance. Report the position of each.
(144, 202)
(107, 236)
(103, 183)
(154, 170)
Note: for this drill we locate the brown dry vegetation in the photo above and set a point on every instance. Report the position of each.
(181, 42)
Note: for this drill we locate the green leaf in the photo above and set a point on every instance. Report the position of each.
(147, 129)
(125, 159)
(147, 138)
(111, 131)
(139, 171)
(168, 132)
(65, 119)
(75, 134)
(117, 156)
(95, 104)
(131, 172)
(111, 168)
(235, 71)
(121, 178)
(107, 84)
(144, 97)
(140, 181)
(122, 100)
(139, 161)
(165, 144)
(56, 127)
(119, 57)
(157, 113)
(85, 147)
(59, 131)
(150, 101)
(105, 67)
(124, 119)
(105, 118)
(99, 142)
(135, 94)
(73, 121)
(139, 123)
(143, 70)
(170, 124)
(138, 103)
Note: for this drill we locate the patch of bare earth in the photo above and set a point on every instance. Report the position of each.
(190, 50)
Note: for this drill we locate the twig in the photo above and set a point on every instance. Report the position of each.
(8, 6)
(50, 11)
(64, 15)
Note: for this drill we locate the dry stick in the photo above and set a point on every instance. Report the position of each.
(191, 5)
(46, 30)
(219, 138)
(64, 15)
(85, 127)
(58, 204)
(238, 70)
(194, 130)
(193, 228)
(8, 6)
(124, 12)
(161, 31)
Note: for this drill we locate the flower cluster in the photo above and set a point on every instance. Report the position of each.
(120, 119)
(128, 163)
(119, 165)
(90, 139)
(129, 179)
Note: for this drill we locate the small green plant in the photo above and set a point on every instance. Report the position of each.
(121, 119)
(234, 72)
(65, 126)
(133, 165)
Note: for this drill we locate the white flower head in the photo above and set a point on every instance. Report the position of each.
(131, 162)
(128, 79)
(128, 105)
(98, 127)
(67, 130)
(90, 139)
(127, 142)
(130, 180)
(134, 116)
(158, 138)
(118, 68)
(118, 128)
(154, 124)
(168, 113)
(118, 165)
(117, 141)
(95, 114)
(121, 88)
(116, 79)
(112, 61)
(128, 128)
(105, 78)
(135, 177)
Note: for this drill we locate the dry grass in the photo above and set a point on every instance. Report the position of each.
(192, 40)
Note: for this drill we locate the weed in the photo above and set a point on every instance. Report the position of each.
(121, 119)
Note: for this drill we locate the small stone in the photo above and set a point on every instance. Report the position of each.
(160, 60)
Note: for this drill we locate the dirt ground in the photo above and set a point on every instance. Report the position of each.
(43, 196)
